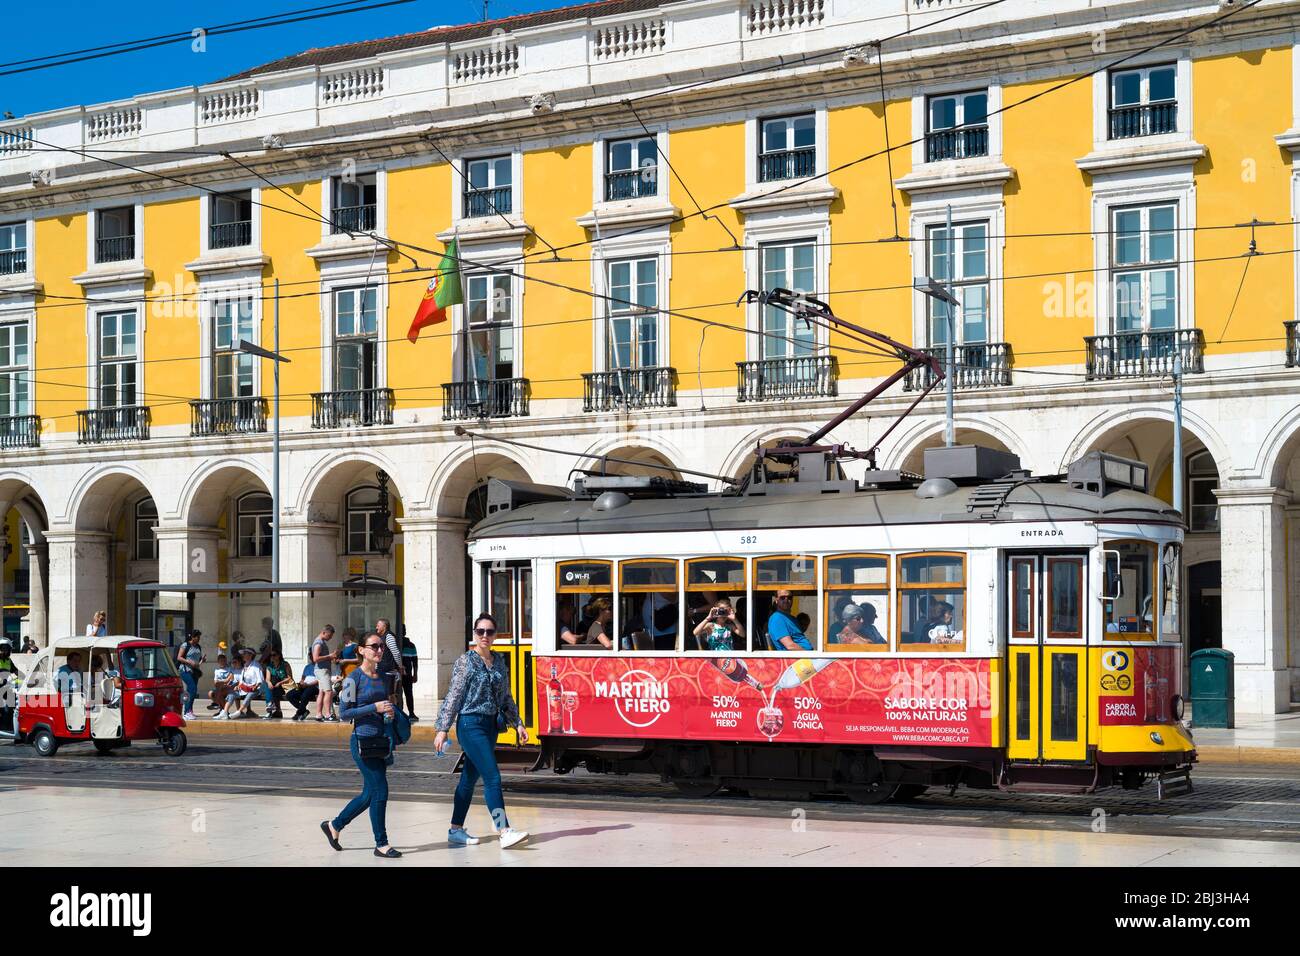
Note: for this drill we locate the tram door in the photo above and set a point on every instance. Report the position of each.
(510, 598)
(1047, 657)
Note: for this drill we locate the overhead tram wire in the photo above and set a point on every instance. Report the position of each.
(215, 31)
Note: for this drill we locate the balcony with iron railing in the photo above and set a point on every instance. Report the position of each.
(975, 365)
(956, 143)
(355, 407)
(487, 202)
(115, 249)
(13, 262)
(230, 235)
(485, 398)
(631, 183)
(227, 416)
(20, 431)
(784, 379)
(1151, 119)
(1144, 354)
(96, 426)
(787, 164)
(1292, 343)
(354, 218)
(629, 388)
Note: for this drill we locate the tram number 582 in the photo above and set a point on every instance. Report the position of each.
(749, 539)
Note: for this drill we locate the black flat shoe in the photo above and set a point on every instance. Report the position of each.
(389, 854)
(325, 829)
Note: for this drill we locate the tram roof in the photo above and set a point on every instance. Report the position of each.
(1035, 500)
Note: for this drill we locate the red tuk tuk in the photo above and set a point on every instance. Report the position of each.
(108, 690)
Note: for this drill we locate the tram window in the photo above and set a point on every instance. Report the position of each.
(500, 586)
(1170, 582)
(785, 603)
(1065, 597)
(648, 604)
(710, 583)
(1129, 616)
(584, 600)
(1022, 598)
(857, 603)
(932, 602)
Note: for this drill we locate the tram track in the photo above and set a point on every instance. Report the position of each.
(1250, 803)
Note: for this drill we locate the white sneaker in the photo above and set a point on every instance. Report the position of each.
(461, 837)
(511, 837)
(220, 716)
(188, 716)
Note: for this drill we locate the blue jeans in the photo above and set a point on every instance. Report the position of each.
(191, 690)
(477, 734)
(374, 794)
(272, 695)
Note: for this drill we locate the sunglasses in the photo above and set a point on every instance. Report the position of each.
(785, 597)
(373, 647)
(485, 631)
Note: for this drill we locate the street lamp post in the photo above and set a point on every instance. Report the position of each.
(928, 286)
(277, 359)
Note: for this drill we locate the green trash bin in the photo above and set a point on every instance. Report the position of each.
(1212, 691)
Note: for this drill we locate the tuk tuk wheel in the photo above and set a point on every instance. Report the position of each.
(105, 746)
(44, 743)
(174, 743)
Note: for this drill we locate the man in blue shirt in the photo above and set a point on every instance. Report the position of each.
(68, 679)
(782, 629)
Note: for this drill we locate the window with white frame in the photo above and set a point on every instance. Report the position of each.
(633, 316)
(793, 266)
(146, 519)
(957, 125)
(231, 222)
(13, 248)
(354, 203)
(116, 366)
(787, 148)
(115, 234)
(1143, 102)
(356, 351)
(488, 187)
(959, 258)
(15, 357)
(232, 370)
(253, 525)
(1202, 504)
(631, 168)
(362, 509)
(489, 352)
(1144, 268)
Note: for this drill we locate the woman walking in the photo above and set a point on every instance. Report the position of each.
(479, 692)
(189, 656)
(364, 701)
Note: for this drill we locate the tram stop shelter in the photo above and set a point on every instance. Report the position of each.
(224, 611)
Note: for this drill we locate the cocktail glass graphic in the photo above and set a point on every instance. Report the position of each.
(770, 721)
(570, 705)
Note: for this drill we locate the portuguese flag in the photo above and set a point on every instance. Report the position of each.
(443, 291)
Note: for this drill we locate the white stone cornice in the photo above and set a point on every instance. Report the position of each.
(119, 273)
(1144, 156)
(244, 260)
(432, 523)
(1238, 495)
(782, 195)
(962, 174)
(343, 246)
(631, 212)
(1289, 140)
(487, 229)
(24, 283)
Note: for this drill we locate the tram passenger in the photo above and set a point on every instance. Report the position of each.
(659, 616)
(783, 632)
(602, 614)
(944, 631)
(702, 603)
(564, 621)
(721, 631)
(856, 628)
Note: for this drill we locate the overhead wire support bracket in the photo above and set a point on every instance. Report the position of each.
(816, 312)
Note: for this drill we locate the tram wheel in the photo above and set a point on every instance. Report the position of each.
(44, 743)
(697, 787)
(871, 794)
(907, 792)
(174, 743)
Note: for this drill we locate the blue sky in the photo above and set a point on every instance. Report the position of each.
(58, 27)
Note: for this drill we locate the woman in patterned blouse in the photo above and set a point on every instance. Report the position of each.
(480, 689)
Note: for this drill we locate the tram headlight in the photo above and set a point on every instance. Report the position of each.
(1176, 705)
(144, 700)
(1157, 739)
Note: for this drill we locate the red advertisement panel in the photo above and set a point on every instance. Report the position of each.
(923, 702)
(1136, 685)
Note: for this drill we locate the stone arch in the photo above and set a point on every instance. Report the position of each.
(645, 461)
(909, 452)
(204, 496)
(740, 460)
(98, 498)
(1279, 448)
(452, 487)
(1118, 422)
(332, 477)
